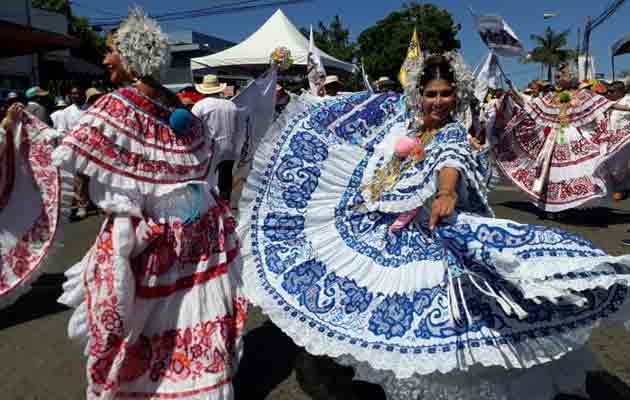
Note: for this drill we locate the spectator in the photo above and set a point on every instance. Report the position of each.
(91, 95)
(616, 91)
(220, 118)
(38, 104)
(57, 115)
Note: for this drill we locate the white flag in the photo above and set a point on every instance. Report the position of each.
(366, 79)
(315, 69)
(498, 36)
(255, 109)
(487, 76)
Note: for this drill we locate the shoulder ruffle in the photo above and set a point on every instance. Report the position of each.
(124, 141)
(591, 107)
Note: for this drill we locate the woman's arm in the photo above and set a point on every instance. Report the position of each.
(620, 107)
(444, 203)
(14, 113)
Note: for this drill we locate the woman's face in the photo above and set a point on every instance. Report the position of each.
(438, 99)
(113, 63)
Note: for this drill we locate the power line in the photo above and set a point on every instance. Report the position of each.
(97, 10)
(234, 7)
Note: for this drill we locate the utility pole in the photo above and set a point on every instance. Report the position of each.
(591, 25)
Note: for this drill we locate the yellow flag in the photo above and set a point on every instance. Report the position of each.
(413, 52)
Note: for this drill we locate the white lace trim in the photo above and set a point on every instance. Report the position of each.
(564, 376)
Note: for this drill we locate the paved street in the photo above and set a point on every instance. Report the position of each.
(37, 361)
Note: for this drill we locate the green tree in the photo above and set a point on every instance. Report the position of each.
(333, 39)
(550, 51)
(92, 45)
(383, 47)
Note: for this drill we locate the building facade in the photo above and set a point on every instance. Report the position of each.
(184, 46)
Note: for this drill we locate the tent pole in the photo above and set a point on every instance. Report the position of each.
(612, 61)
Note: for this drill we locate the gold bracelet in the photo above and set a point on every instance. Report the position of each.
(446, 193)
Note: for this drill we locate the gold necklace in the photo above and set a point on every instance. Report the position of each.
(427, 136)
(387, 176)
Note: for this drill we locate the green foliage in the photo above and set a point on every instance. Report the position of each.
(383, 47)
(92, 45)
(333, 39)
(550, 49)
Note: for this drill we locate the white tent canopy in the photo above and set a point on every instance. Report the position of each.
(278, 31)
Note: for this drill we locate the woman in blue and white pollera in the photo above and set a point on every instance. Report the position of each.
(375, 244)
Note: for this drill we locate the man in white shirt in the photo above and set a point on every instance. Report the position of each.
(220, 117)
(57, 115)
(74, 111)
(38, 103)
(69, 120)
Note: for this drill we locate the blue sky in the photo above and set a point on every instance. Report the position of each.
(525, 17)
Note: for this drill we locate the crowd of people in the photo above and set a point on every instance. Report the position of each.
(364, 231)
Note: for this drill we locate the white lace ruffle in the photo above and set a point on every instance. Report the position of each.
(592, 107)
(65, 158)
(564, 376)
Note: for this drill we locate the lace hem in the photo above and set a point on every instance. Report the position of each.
(564, 376)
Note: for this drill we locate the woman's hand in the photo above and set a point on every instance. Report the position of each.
(475, 143)
(443, 207)
(14, 114)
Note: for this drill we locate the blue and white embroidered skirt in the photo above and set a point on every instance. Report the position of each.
(476, 295)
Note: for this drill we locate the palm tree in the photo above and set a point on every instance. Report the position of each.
(550, 51)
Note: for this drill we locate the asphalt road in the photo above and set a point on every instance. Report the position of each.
(38, 362)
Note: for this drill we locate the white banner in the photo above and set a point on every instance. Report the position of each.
(498, 36)
(366, 79)
(487, 76)
(255, 110)
(315, 69)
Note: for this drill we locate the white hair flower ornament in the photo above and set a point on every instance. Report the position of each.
(142, 45)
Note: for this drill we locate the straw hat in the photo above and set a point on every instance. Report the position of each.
(332, 79)
(384, 79)
(91, 92)
(210, 85)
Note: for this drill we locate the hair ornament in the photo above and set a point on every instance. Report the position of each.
(464, 86)
(142, 45)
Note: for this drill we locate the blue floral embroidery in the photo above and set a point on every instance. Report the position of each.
(308, 148)
(356, 298)
(282, 226)
(393, 317)
(303, 277)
